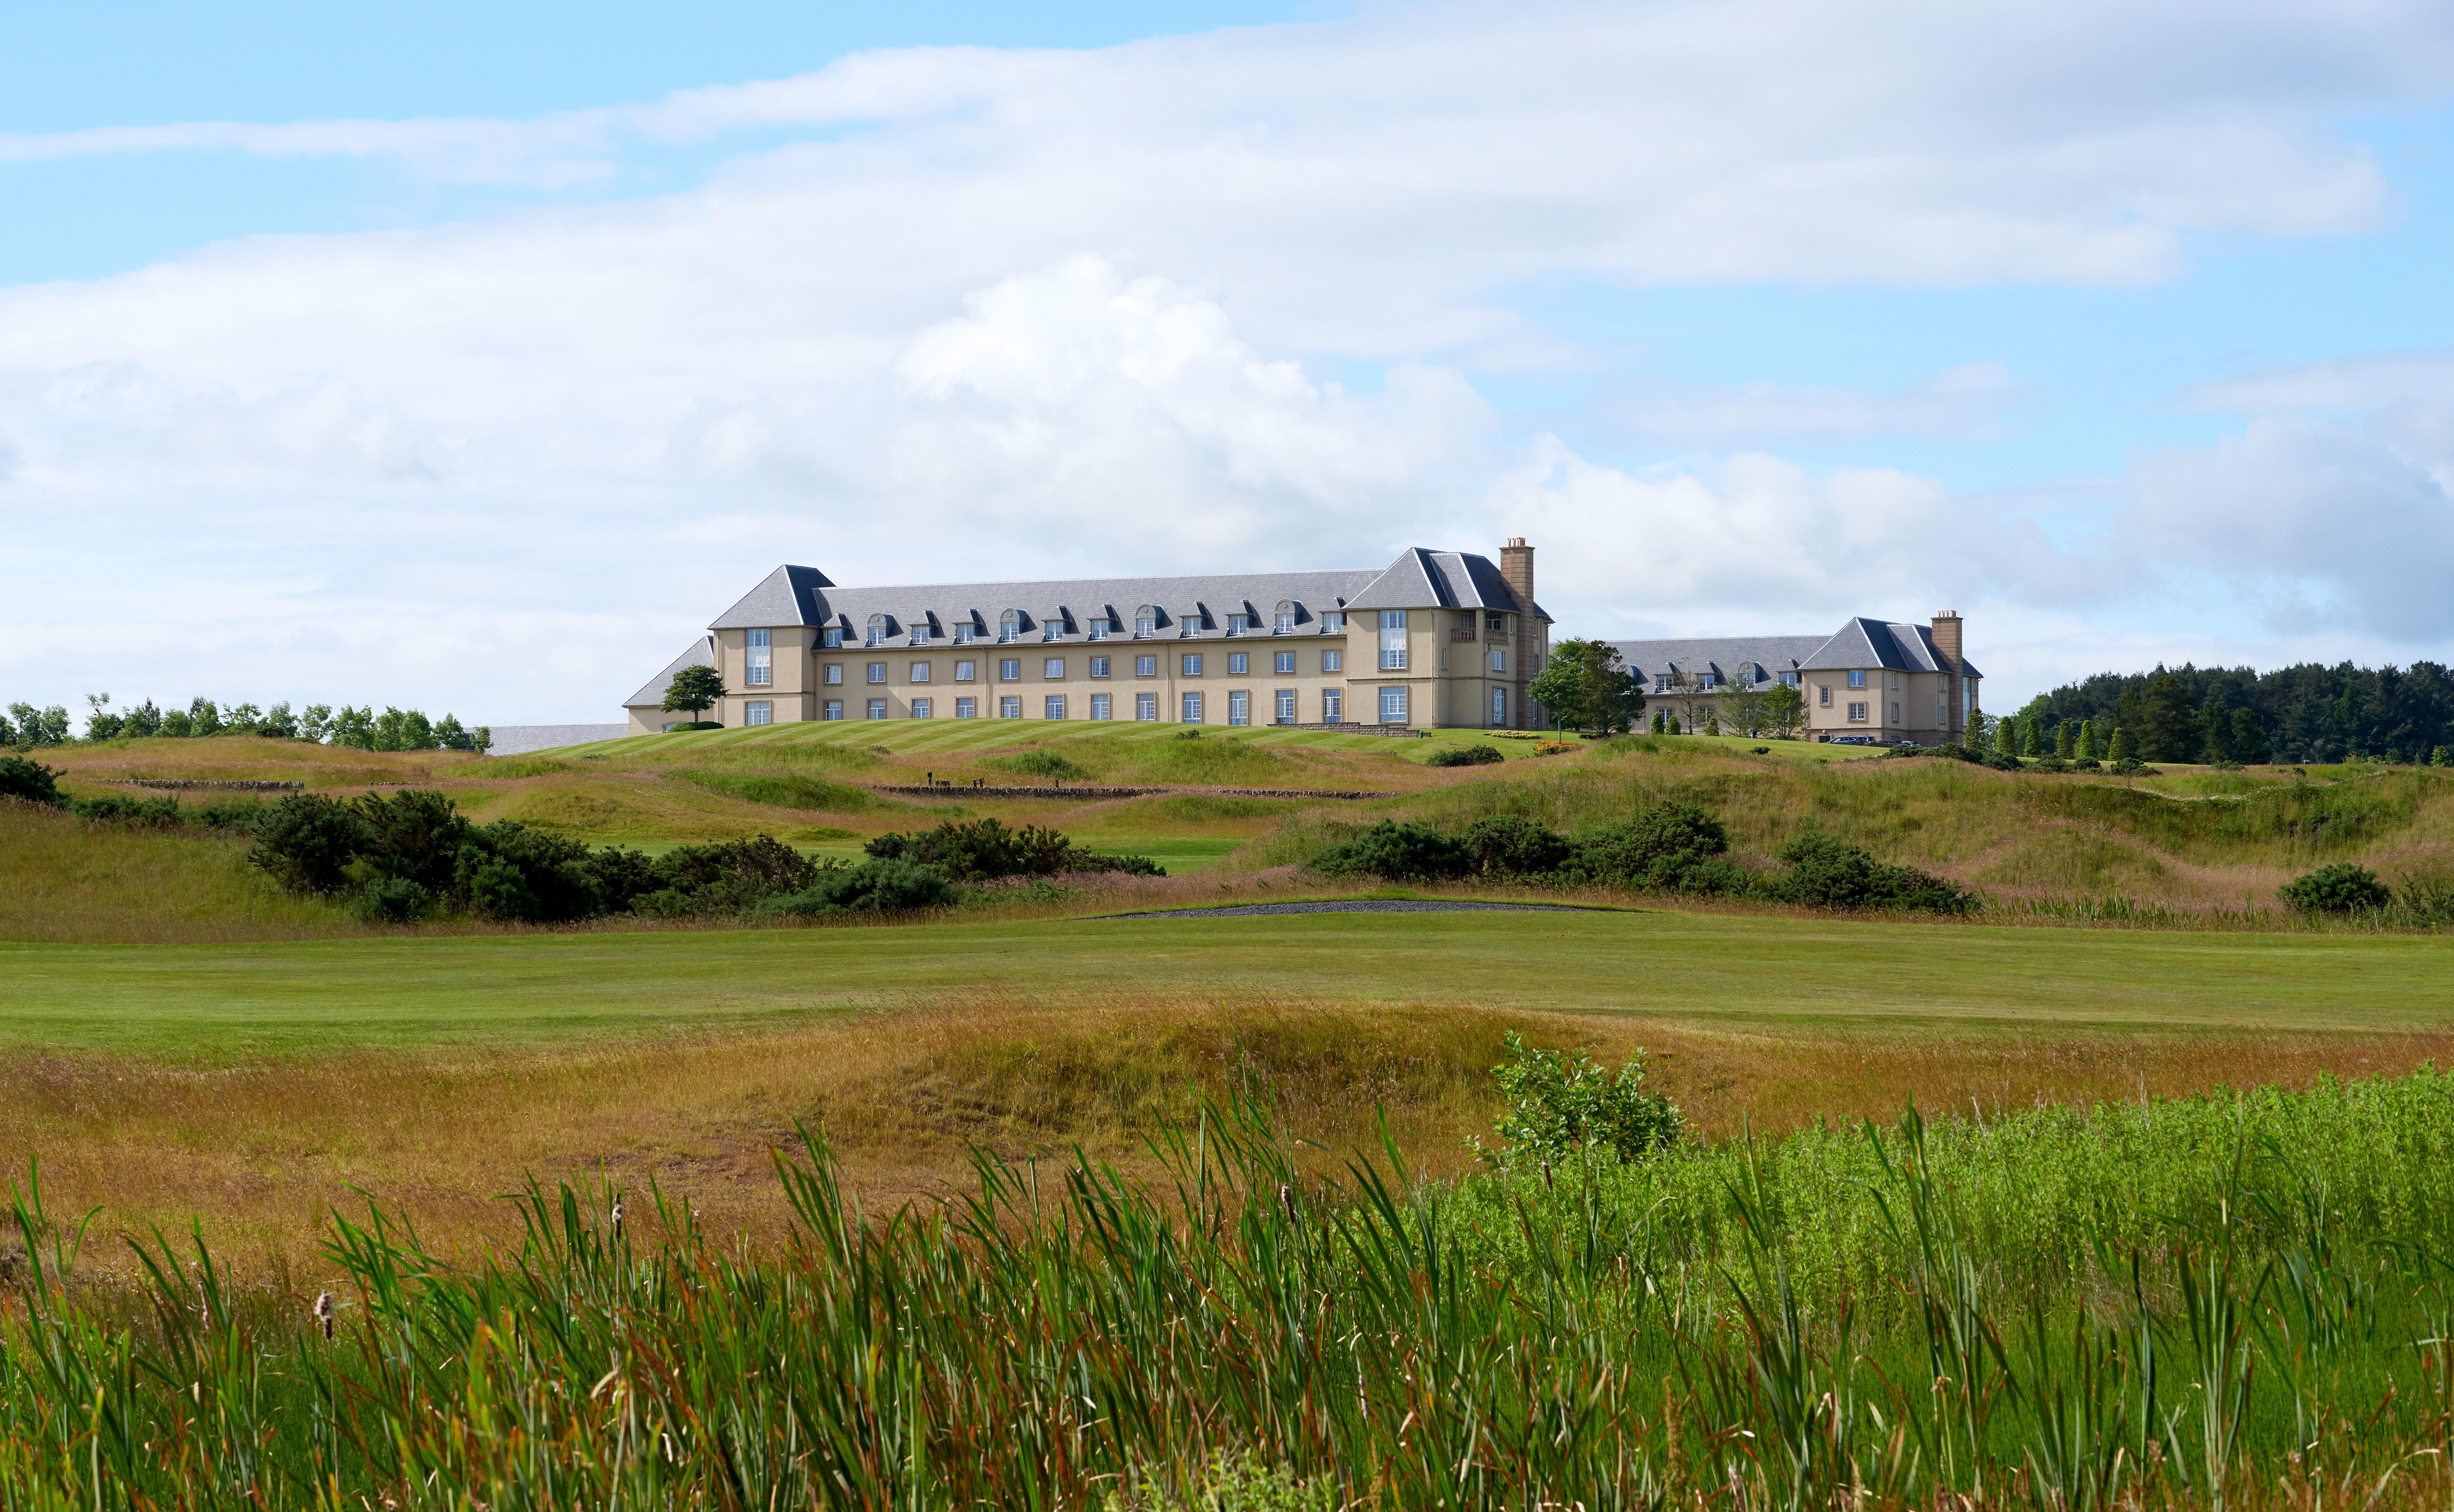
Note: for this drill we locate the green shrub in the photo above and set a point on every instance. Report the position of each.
(874, 886)
(306, 841)
(391, 901)
(126, 808)
(1669, 848)
(30, 780)
(696, 724)
(2343, 888)
(1829, 872)
(1513, 846)
(984, 850)
(238, 815)
(1473, 755)
(1558, 1109)
(415, 835)
(709, 878)
(1402, 853)
(509, 871)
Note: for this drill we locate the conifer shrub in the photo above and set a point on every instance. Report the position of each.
(29, 780)
(1402, 853)
(2343, 888)
(984, 850)
(1669, 848)
(1830, 873)
(875, 886)
(1513, 846)
(1473, 755)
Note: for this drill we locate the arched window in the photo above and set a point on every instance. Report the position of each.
(1285, 623)
(877, 630)
(1010, 626)
(1145, 622)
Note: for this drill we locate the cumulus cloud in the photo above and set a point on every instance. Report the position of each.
(1016, 313)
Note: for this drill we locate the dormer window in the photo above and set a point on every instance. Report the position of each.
(964, 631)
(1145, 622)
(920, 632)
(1010, 626)
(877, 630)
(1332, 623)
(1284, 624)
(1238, 624)
(1051, 630)
(1099, 629)
(832, 637)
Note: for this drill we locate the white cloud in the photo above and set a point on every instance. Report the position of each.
(1018, 312)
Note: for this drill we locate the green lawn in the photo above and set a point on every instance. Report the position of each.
(217, 1002)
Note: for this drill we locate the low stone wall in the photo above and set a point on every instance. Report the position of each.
(944, 790)
(185, 782)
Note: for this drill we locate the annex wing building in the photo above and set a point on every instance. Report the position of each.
(1871, 679)
(1434, 640)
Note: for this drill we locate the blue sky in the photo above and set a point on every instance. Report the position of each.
(355, 349)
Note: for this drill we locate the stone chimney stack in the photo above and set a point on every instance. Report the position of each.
(1946, 638)
(1517, 567)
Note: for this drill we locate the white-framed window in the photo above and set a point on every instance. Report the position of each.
(759, 711)
(1392, 705)
(1858, 713)
(1239, 665)
(1010, 626)
(1332, 706)
(1145, 666)
(1100, 705)
(1193, 708)
(922, 708)
(1334, 623)
(1789, 679)
(1098, 666)
(831, 674)
(1285, 624)
(1188, 624)
(1145, 624)
(1146, 707)
(1238, 624)
(877, 630)
(1055, 668)
(1495, 624)
(1500, 659)
(967, 708)
(1895, 683)
(877, 708)
(878, 672)
(919, 671)
(1661, 682)
(1393, 640)
(1285, 663)
(1500, 708)
(1285, 700)
(1010, 670)
(1239, 708)
(1051, 630)
(965, 632)
(1010, 708)
(1099, 628)
(1193, 668)
(832, 637)
(967, 671)
(832, 709)
(1333, 661)
(1895, 712)
(1823, 695)
(1056, 706)
(919, 635)
(761, 669)
(1857, 679)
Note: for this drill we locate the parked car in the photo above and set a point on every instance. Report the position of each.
(1853, 739)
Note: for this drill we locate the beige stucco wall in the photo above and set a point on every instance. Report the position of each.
(1921, 706)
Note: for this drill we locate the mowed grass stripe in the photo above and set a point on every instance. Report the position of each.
(212, 1003)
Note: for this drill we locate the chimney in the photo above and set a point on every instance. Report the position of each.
(1946, 638)
(1517, 567)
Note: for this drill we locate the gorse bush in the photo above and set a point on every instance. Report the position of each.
(1473, 755)
(1038, 764)
(874, 886)
(2235, 1301)
(29, 782)
(2343, 888)
(1675, 847)
(984, 850)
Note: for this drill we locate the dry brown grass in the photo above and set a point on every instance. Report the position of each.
(261, 1152)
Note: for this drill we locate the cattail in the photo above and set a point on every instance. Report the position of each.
(324, 1312)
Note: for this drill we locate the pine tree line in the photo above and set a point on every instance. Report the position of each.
(2306, 712)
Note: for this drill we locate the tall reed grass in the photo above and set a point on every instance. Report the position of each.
(2212, 1304)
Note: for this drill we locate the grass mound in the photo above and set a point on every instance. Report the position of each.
(782, 792)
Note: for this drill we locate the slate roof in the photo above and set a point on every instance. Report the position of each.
(1861, 642)
(652, 695)
(1441, 579)
(1186, 606)
(1759, 658)
(1872, 643)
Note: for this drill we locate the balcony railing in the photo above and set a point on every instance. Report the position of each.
(1461, 634)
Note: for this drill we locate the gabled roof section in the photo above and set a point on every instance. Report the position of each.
(1732, 657)
(1423, 578)
(788, 596)
(1874, 643)
(652, 695)
(1072, 603)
